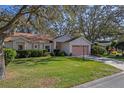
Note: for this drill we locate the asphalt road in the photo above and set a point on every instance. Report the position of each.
(114, 81)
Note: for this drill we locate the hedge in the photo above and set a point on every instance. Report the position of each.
(31, 53)
(9, 55)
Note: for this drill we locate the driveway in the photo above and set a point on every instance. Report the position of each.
(113, 81)
(113, 62)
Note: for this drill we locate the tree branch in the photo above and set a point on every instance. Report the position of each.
(12, 21)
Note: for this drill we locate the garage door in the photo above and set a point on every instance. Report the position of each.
(80, 50)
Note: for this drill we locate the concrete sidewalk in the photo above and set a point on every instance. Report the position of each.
(113, 81)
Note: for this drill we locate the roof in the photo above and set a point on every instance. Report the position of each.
(69, 39)
(72, 39)
(29, 36)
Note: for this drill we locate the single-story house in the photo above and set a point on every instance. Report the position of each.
(26, 41)
(76, 46)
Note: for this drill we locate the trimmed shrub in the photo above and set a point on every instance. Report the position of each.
(9, 55)
(31, 53)
(23, 53)
(98, 50)
(36, 53)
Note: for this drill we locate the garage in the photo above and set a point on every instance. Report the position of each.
(79, 50)
(75, 46)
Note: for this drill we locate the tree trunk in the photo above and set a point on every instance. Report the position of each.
(2, 61)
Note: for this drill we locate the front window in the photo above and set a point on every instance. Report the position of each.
(20, 47)
(35, 46)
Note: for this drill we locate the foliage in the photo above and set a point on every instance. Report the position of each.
(57, 52)
(9, 55)
(97, 50)
(31, 53)
(113, 44)
(120, 46)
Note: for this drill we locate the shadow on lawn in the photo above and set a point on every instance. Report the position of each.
(35, 61)
(79, 59)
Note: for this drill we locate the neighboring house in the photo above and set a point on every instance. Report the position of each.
(75, 46)
(104, 43)
(25, 41)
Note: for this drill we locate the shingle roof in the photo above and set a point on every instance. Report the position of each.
(30, 37)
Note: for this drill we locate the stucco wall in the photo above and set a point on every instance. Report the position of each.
(8, 44)
(65, 47)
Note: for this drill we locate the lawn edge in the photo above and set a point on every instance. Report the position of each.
(94, 82)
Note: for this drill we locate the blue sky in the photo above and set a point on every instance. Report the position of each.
(4, 6)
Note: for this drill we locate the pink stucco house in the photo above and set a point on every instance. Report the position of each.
(76, 46)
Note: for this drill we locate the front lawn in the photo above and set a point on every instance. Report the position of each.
(54, 72)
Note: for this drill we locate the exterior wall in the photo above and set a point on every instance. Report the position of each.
(19, 41)
(79, 41)
(65, 47)
(8, 44)
(27, 44)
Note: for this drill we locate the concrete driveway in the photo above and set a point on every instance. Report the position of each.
(114, 81)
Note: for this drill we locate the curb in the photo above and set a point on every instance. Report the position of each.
(98, 81)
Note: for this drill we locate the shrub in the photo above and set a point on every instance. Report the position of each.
(31, 53)
(62, 53)
(36, 53)
(23, 53)
(9, 55)
(97, 50)
(57, 52)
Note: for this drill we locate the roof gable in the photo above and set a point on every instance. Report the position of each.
(81, 37)
(68, 38)
(63, 38)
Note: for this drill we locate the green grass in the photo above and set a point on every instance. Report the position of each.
(54, 72)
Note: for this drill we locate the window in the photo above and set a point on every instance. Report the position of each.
(35, 46)
(47, 48)
(20, 47)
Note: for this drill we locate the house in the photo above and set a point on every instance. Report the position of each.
(76, 46)
(104, 43)
(25, 41)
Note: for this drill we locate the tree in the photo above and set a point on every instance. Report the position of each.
(9, 20)
(120, 46)
(94, 22)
